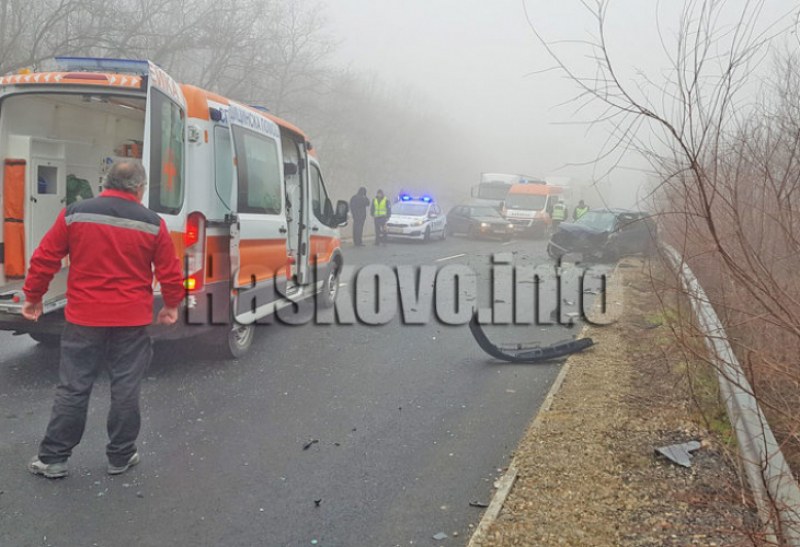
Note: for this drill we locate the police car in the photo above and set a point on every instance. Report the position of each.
(416, 218)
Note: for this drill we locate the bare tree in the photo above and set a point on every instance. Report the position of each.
(726, 147)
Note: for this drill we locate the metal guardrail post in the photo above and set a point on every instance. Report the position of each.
(772, 483)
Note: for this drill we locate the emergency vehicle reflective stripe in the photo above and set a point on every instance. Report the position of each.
(95, 218)
(559, 212)
(580, 211)
(380, 207)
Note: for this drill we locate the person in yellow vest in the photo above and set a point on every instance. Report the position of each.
(380, 210)
(559, 213)
(580, 210)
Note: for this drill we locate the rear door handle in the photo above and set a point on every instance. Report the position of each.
(283, 229)
(315, 228)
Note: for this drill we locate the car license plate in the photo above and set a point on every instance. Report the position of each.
(394, 230)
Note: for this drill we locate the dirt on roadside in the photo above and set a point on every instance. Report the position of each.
(588, 473)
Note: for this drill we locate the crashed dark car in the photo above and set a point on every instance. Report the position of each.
(479, 221)
(605, 235)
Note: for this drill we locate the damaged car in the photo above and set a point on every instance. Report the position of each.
(605, 235)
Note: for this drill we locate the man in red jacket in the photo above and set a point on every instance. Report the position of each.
(114, 243)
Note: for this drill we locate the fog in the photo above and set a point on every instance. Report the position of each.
(480, 66)
(416, 95)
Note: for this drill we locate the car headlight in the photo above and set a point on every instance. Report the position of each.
(418, 222)
(510, 226)
(484, 224)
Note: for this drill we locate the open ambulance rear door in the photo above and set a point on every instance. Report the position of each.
(49, 162)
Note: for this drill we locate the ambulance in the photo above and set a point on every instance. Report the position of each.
(529, 205)
(240, 190)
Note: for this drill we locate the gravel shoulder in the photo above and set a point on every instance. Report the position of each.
(587, 469)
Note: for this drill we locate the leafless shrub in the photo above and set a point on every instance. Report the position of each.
(726, 148)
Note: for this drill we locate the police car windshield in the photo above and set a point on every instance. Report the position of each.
(410, 209)
(597, 220)
(525, 201)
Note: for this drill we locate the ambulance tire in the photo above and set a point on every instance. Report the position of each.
(45, 339)
(238, 339)
(330, 287)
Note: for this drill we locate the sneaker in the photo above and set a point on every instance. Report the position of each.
(132, 461)
(49, 470)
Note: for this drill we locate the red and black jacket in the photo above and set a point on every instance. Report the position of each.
(115, 244)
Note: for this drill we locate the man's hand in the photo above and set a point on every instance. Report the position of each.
(167, 316)
(31, 311)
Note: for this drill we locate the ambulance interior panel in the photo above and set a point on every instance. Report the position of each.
(68, 142)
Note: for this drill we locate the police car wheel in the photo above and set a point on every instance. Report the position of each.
(444, 234)
(427, 236)
(240, 338)
(45, 339)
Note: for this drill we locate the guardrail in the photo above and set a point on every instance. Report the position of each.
(773, 486)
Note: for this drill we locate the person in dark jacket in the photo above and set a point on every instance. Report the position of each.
(114, 244)
(359, 204)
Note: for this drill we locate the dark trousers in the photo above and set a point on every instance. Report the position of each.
(126, 353)
(358, 230)
(380, 230)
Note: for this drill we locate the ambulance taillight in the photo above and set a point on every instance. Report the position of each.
(194, 245)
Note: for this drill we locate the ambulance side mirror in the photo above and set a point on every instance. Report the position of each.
(340, 217)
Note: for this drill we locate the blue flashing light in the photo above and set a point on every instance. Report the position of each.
(405, 197)
(79, 64)
(426, 199)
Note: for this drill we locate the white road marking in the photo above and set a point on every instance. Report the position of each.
(507, 243)
(450, 257)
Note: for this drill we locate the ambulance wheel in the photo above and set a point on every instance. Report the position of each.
(239, 338)
(330, 288)
(47, 340)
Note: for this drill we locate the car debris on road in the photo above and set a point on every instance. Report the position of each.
(522, 354)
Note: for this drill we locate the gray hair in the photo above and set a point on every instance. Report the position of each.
(126, 175)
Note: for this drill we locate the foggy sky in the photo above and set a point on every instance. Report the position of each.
(474, 60)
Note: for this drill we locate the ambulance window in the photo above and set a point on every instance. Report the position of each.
(320, 203)
(223, 165)
(259, 173)
(166, 154)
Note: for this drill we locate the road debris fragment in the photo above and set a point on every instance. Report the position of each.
(440, 536)
(478, 504)
(522, 354)
(310, 443)
(679, 453)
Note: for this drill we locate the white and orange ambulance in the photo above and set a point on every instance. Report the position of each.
(240, 190)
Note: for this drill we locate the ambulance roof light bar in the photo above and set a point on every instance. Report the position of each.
(98, 64)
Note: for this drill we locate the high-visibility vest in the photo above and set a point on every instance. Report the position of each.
(559, 211)
(580, 211)
(380, 207)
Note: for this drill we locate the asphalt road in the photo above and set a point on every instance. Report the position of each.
(411, 423)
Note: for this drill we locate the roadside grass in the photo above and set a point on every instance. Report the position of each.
(682, 341)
